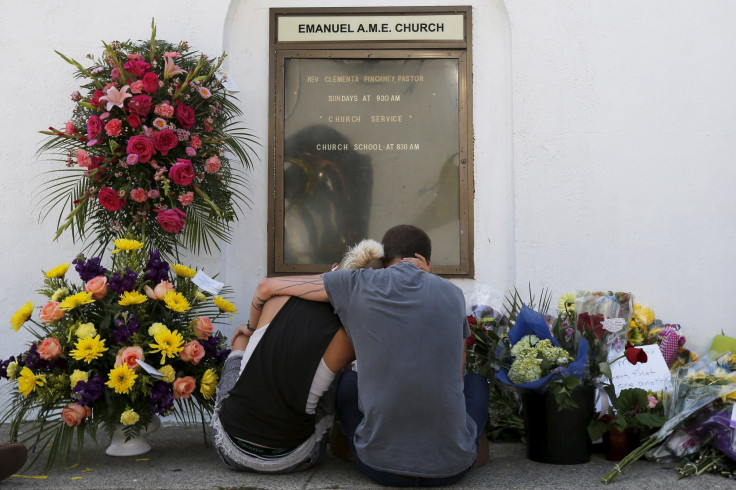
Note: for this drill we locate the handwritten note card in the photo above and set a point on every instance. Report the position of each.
(207, 283)
(653, 375)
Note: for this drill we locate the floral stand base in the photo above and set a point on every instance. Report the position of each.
(135, 446)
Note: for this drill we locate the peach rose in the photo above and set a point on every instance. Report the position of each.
(73, 414)
(203, 328)
(51, 312)
(183, 387)
(97, 286)
(193, 352)
(129, 356)
(49, 348)
(159, 291)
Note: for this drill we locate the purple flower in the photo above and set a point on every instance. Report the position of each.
(87, 392)
(125, 329)
(88, 269)
(212, 348)
(162, 398)
(157, 270)
(120, 284)
(4, 367)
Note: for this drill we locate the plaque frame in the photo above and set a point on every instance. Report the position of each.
(459, 49)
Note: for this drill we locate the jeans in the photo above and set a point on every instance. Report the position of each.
(476, 405)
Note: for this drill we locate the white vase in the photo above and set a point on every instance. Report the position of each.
(135, 446)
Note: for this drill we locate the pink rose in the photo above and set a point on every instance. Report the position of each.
(212, 165)
(159, 291)
(83, 158)
(74, 413)
(203, 328)
(183, 387)
(134, 121)
(165, 140)
(138, 195)
(140, 104)
(51, 312)
(113, 128)
(97, 286)
(193, 352)
(136, 87)
(137, 67)
(50, 348)
(184, 115)
(172, 220)
(94, 127)
(186, 198)
(110, 200)
(129, 356)
(141, 146)
(150, 82)
(196, 143)
(182, 172)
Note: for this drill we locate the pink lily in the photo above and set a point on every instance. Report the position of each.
(170, 68)
(116, 97)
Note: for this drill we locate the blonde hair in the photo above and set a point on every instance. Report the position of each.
(368, 254)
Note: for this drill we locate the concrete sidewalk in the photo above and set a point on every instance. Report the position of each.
(180, 459)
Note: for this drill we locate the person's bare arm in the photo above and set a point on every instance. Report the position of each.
(307, 287)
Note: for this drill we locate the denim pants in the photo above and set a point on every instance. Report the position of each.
(476, 405)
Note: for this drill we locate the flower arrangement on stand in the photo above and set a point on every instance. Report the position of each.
(149, 150)
(131, 342)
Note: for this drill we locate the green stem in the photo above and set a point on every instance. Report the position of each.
(630, 459)
(70, 218)
(207, 199)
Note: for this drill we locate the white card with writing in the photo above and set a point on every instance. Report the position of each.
(227, 81)
(150, 369)
(653, 375)
(613, 325)
(206, 283)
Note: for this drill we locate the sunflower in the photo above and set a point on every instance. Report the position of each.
(121, 379)
(21, 316)
(183, 270)
(208, 384)
(79, 299)
(58, 271)
(176, 301)
(168, 343)
(132, 298)
(126, 245)
(224, 305)
(88, 349)
(27, 381)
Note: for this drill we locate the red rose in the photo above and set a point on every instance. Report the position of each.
(137, 67)
(140, 104)
(472, 321)
(182, 173)
(110, 200)
(635, 355)
(171, 220)
(94, 165)
(150, 82)
(588, 322)
(184, 115)
(134, 120)
(141, 146)
(165, 140)
(95, 100)
(94, 127)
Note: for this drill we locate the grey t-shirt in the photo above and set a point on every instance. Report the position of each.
(407, 328)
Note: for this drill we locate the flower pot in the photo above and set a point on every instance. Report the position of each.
(135, 446)
(554, 436)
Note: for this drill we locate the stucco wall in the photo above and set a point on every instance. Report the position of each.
(604, 137)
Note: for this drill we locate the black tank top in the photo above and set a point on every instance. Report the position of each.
(267, 404)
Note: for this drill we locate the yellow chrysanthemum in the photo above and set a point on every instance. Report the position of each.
(156, 328)
(126, 245)
(86, 330)
(132, 298)
(168, 372)
(208, 384)
(88, 349)
(78, 376)
(58, 271)
(643, 316)
(224, 305)
(121, 379)
(168, 343)
(21, 316)
(59, 294)
(129, 417)
(176, 301)
(79, 299)
(27, 381)
(12, 370)
(183, 271)
(566, 303)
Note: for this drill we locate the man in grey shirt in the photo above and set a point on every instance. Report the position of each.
(409, 415)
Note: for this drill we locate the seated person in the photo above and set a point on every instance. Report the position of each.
(276, 398)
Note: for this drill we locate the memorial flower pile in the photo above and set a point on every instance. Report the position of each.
(646, 329)
(130, 341)
(150, 149)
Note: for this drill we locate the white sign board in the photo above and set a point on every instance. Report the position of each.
(653, 375)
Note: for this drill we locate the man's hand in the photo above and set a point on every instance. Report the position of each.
(418, 261)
